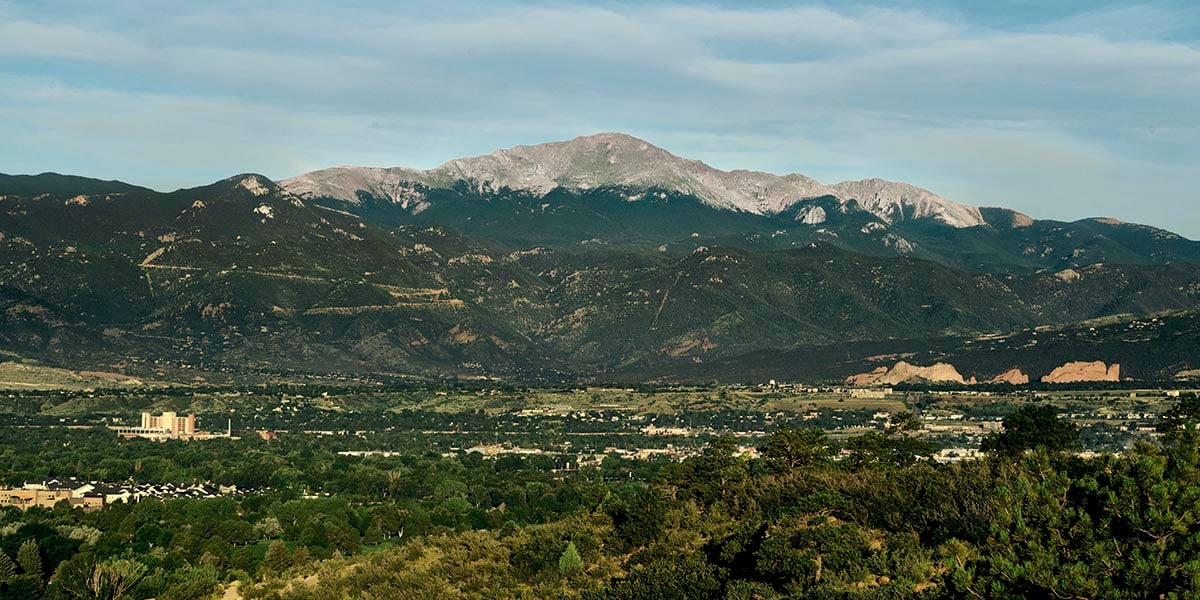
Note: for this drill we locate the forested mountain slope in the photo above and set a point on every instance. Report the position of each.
(245, 275)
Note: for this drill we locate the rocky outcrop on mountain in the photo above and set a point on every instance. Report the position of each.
(398, 185)
(1004, 218)
(1012, 376)
(904, 372)
(1074, 372)
(1068, 275)
(896, 201)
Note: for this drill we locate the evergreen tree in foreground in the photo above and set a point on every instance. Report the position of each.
(29, 556)
(7, 568)
(570, 561)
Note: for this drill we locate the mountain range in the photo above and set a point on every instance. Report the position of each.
(600, 258)
(617, 189)
(614, 160)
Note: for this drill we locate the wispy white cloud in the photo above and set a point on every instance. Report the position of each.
(1059, 116)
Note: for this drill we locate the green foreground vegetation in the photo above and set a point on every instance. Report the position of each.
(809, 515)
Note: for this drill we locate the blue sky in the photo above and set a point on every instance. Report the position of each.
(1059, 109)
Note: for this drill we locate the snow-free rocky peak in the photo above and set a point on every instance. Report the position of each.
(619, 160)
(896, 201)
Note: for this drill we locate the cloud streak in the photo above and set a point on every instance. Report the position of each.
(1064, 116)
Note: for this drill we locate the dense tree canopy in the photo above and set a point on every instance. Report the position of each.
(870, 517)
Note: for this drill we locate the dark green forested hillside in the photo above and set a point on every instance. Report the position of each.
(1009, 242)
(1163, 346)
(241, 276)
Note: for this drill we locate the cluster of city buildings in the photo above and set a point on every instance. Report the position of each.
(92, 495)
(50, 493)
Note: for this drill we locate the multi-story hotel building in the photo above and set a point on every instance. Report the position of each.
(171, 423)
(169, 426)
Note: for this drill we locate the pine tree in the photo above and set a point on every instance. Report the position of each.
(277, 559)
(29, 556)
(301, 556)
(84, 576)
(570, 561)
(790, 449)
(7, 568)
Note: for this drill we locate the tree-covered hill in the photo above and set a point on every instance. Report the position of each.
(242, 275)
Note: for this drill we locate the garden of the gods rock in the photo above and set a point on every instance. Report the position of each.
(581, 300)
(902, 372)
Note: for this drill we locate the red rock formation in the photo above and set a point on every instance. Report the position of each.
(940, 372)
(1074, 372)
(903, 372)
(1013, 376)
(863, 379)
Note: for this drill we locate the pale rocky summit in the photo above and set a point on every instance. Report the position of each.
(622, 161)
(1004, 218)
(344, 183)
(1074, 372)
(614, 159)
(896, 201)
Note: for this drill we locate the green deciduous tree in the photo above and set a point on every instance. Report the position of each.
(717, 474)
(1033, 427)
(268, 528)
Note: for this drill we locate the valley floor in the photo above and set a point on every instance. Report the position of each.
(494, 491)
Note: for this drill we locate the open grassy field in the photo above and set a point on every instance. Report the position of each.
(21, 376)
(657, 402)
